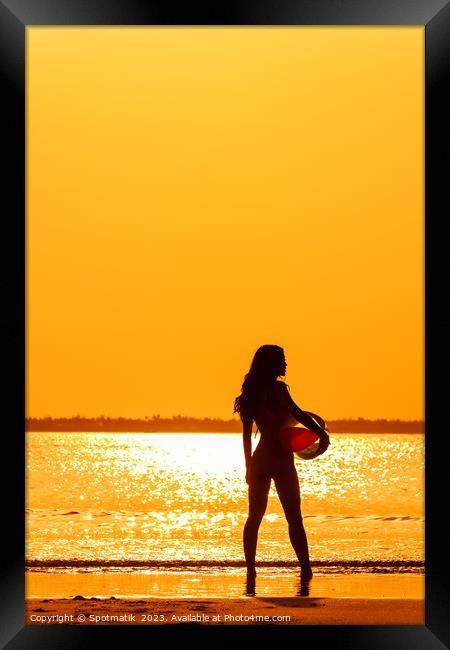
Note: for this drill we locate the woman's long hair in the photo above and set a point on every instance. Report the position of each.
(264, 370)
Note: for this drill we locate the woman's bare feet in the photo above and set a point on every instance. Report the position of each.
(251, 582)
(306, 575)
(306, 572)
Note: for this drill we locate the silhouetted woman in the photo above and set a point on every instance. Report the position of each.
(267, 401)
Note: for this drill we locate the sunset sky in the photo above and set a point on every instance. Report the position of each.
(196, 192)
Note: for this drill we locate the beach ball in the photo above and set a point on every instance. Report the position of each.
(303, 442)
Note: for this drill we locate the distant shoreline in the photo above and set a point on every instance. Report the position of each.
(182, 424)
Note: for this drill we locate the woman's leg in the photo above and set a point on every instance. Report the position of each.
(258, 492)
(288, 488)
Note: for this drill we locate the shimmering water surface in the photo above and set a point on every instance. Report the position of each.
(171, 499)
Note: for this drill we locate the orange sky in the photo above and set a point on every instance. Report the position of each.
(196, 192)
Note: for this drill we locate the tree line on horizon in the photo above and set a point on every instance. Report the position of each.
(184, 424)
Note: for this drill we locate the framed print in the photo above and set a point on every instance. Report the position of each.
(223, 323)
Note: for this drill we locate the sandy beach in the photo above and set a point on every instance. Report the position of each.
(221, 611)
(211, 599)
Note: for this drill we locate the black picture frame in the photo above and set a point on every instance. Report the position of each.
(15, 16)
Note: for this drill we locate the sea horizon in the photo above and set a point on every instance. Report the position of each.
(184, 424)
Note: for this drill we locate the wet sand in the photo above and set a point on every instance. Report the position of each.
(204, 599)
(221, 611)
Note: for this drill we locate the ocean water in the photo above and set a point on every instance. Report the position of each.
(160, 501)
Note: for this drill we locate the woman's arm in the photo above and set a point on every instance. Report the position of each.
(247, 438)
(302, 416)
(318, 419)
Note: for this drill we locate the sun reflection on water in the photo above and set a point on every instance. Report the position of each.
(103, 495)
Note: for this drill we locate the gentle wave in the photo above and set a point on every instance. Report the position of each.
(320, 517)
(331, 566)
